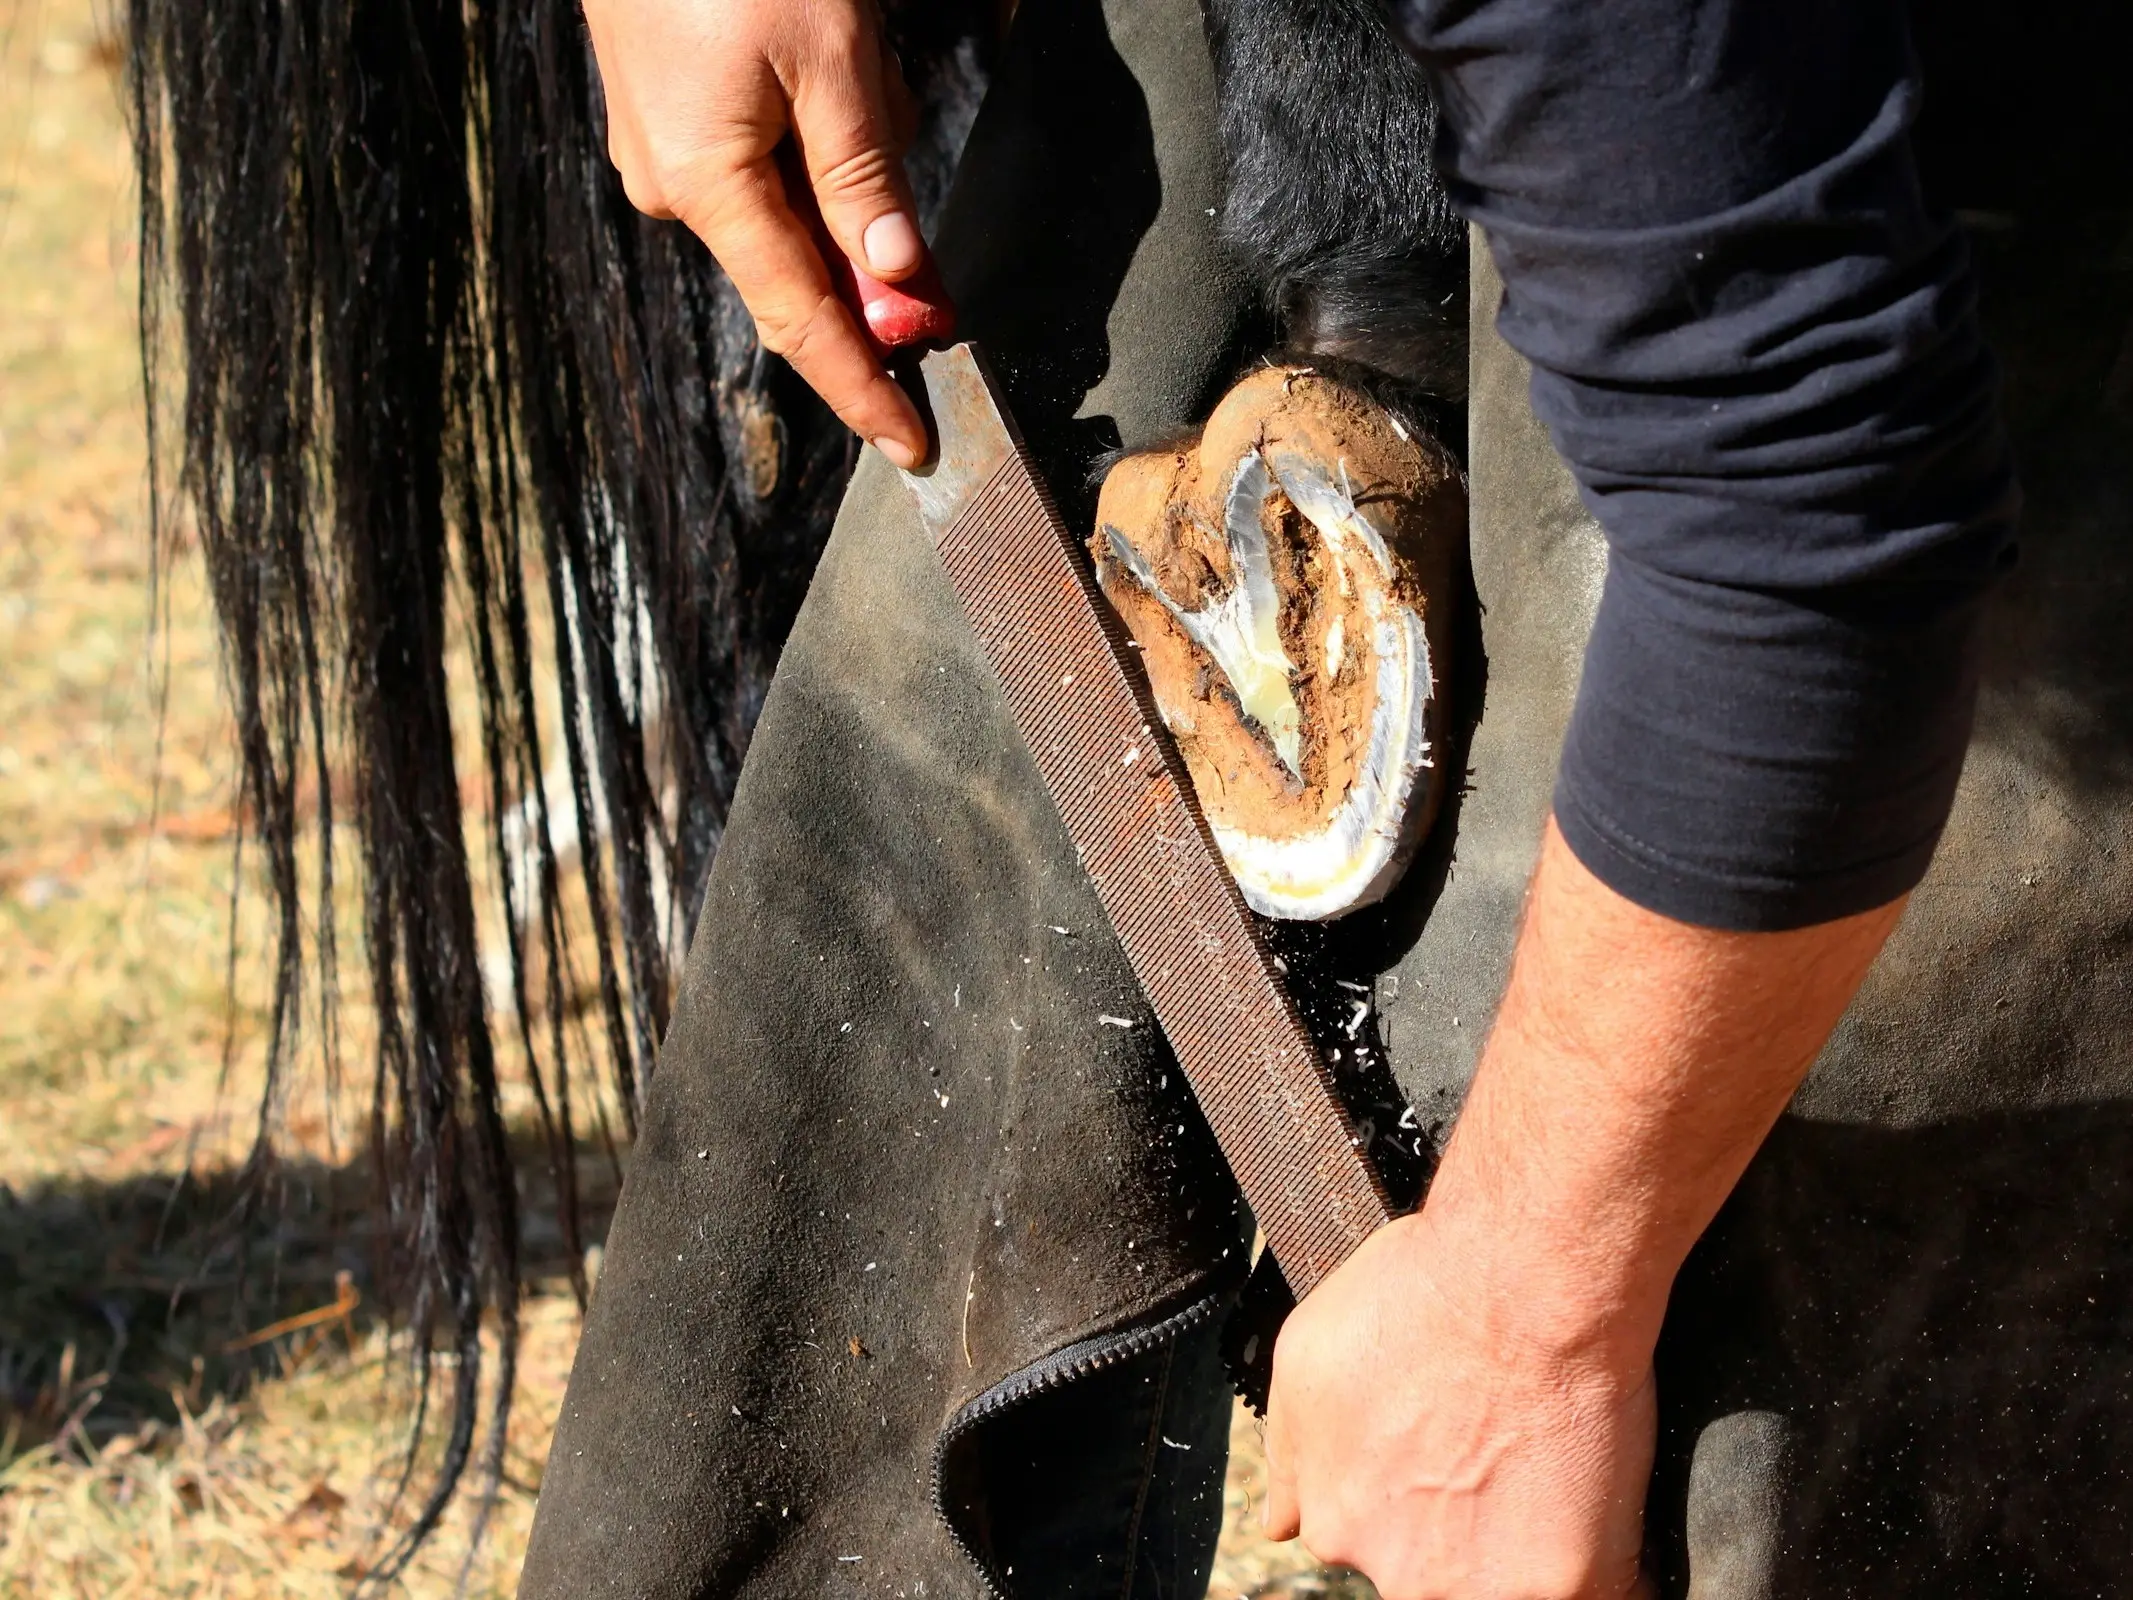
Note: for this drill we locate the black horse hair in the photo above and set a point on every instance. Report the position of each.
(431, 359)
(1333, 197)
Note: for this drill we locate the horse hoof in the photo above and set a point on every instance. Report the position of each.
(1288, 579)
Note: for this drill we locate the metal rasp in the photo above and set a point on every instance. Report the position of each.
(1064, 664)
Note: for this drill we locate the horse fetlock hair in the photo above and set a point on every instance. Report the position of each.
(1333, 199)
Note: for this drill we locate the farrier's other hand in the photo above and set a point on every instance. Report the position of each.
(1465, 1408)
(1450, 1447)
(701, 94)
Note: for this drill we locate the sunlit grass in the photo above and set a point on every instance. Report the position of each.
(286, 1492)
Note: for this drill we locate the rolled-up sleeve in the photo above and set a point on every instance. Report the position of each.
(1757, 348)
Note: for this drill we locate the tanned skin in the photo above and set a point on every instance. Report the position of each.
(700, 95)
(1465, 1408)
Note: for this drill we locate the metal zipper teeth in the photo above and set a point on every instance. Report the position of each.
(1077, 1360)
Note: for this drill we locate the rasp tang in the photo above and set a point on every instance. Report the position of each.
(1062, 661)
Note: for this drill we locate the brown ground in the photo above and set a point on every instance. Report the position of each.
(146, 1449)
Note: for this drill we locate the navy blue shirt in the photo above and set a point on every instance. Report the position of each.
(1757, 348)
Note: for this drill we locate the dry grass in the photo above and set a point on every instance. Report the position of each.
(111, 929)
(281, 1492)
(146, 1447)
(144, 1450)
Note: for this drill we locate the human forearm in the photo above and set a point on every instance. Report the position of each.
(1636, 1064)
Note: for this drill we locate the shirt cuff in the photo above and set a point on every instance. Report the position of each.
(1751, 761)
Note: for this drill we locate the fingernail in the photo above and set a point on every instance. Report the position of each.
(898, 455)
(892, 243)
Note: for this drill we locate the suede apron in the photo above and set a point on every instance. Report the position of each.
(913, 1284)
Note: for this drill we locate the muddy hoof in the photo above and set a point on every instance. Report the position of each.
(1288, 578)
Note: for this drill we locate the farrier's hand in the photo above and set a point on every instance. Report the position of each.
(1465, 1409)
(1450, 1446)
(700, 96)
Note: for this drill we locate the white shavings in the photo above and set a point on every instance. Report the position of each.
(1352, 988)
(869, 1266)
(1172, 1442)
(1012, 1023)
(1107, 1020)
(1355, 1020)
